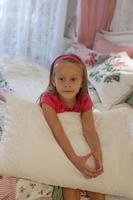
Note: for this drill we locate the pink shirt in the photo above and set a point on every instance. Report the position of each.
(59, 106)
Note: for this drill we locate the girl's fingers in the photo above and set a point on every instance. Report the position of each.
(96, 171)
(91, 172)
(89, 175)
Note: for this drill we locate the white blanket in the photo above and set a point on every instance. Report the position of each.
(29, 150)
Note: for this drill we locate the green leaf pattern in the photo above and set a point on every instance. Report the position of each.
(108, 73)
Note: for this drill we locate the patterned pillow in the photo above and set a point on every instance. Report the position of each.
(4, 86)
(89, 57)
(3, 83)
(129, 100)
(113, 79)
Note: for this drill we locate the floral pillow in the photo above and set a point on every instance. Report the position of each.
(129, 100)
(113, 79)
(3, 83)
(89, 57)
(4, 87)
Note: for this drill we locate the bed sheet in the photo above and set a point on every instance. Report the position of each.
(28, 80)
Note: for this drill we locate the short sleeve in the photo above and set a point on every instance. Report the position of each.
(48, 99)
(86, 103)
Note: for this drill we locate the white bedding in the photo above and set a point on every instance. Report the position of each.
(29, 150)
(29, 86)
(27, 79)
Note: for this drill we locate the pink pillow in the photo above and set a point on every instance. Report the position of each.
(107, 47)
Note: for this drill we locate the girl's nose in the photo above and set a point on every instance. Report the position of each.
(67, 84)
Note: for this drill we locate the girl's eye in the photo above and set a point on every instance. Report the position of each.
(73, 79)
(61, 78)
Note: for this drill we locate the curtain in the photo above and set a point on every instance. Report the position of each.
(93, 15)
(32, 28)
(123, 16)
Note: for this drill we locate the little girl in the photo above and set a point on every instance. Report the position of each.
(68, 92)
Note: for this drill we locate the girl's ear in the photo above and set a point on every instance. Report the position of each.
(53, 81)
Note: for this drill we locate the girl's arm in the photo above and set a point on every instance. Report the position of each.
(58, 131)
(91, 135)
(61, 138)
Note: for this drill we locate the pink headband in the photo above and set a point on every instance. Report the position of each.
(69, 57)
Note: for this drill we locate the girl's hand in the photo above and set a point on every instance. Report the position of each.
(81, 164)
(98, 162)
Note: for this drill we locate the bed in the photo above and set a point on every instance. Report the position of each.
(28, 80)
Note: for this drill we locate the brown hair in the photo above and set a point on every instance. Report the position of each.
(51, 90)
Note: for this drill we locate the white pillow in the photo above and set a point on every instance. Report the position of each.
(25, 77)
(113, 79)
(29, 150)
(124, 38)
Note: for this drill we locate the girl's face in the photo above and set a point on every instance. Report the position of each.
(67, 78)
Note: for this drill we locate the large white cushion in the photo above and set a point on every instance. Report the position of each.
(29, 150)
